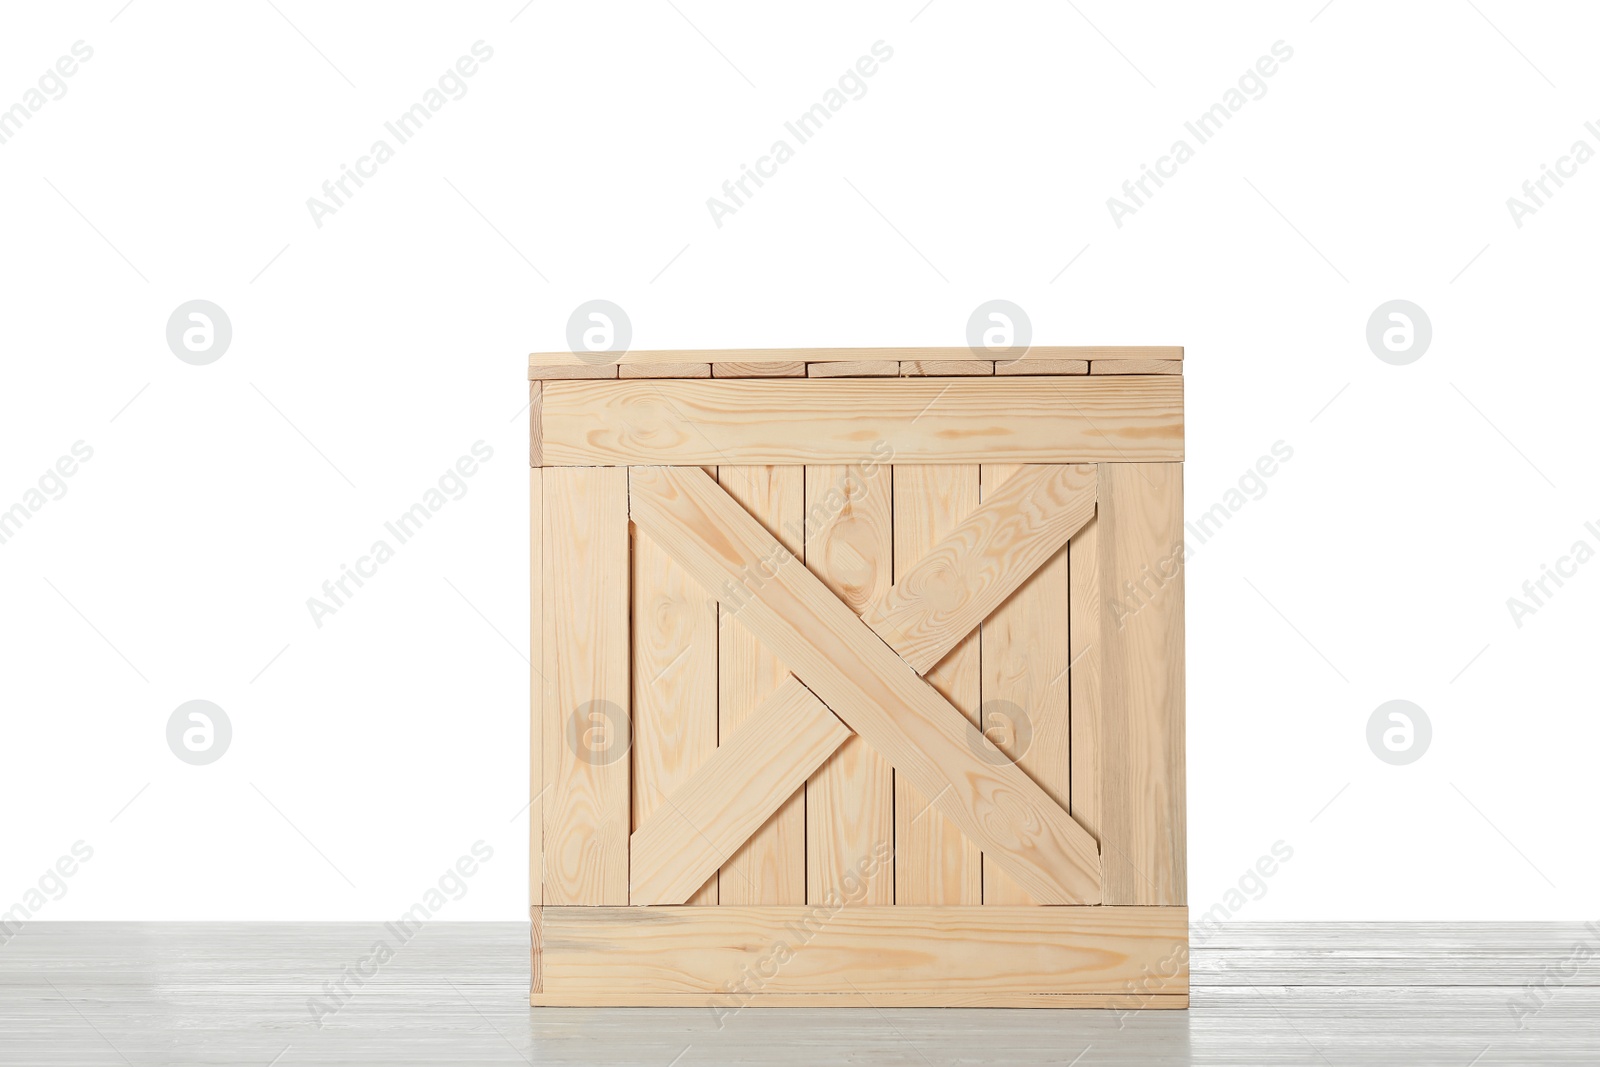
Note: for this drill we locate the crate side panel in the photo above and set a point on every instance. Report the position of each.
(1142, 683)
(674, 682)
(1026, 686)
(586, 673)
(934, 862)
(850, 801)
(770, 868)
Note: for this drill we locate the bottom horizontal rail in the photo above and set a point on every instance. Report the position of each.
(842, 954)
(724, 1002)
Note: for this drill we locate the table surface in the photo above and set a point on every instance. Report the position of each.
(455, 993)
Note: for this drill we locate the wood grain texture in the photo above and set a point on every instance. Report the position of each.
(1083, 563)
(1026, 683)
(1041, 366)
(841, 355)
(789, 369)
(946, 368)
(875, 692)
(905, 949)
(1142, 683)
(981, 560)
(536, 686)
(843, 420)
(535, 416)
(586, 672)
(550, 371)
(1136, 366)
(732, 794)
(933, 862)
(674, 728)
(536, 949)
(858, 368)
(769, 868)
(850, 800)
(665, 370)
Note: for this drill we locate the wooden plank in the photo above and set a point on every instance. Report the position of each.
(637, 357)
(1026, 683)
(1040, 366)
(536, 948)
(665, 370)
(841, 420)
(674, 691)
(552, 371)
(906, 950)
(945, 368)
(791, 369)
(536, 686)
(873, 690)
(722, 1002)
(1083, 627)
(857, 368)
(849, 532)
(983, 558)
(933, 862)
(536, 424)
(770, 868)
(1136, 366)
(731, 794)
(1142, 683)
(586, 671)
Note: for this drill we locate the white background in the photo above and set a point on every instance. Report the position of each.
(368, 354)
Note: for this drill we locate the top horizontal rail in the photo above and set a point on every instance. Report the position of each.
(838, 355)
(698, 422)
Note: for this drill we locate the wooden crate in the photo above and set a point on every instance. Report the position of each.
(858, 679)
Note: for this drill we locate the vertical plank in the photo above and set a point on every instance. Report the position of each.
(535, 425)
(536, 685)
(674, 682)
(934, 863)
(1026, 686)
(1083, 561)
(1142, 683)
(770, 868)
(850, 801)
(586, 708)
(536, 947)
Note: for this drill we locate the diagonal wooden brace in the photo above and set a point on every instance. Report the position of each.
(981, 562)
(865, 683)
